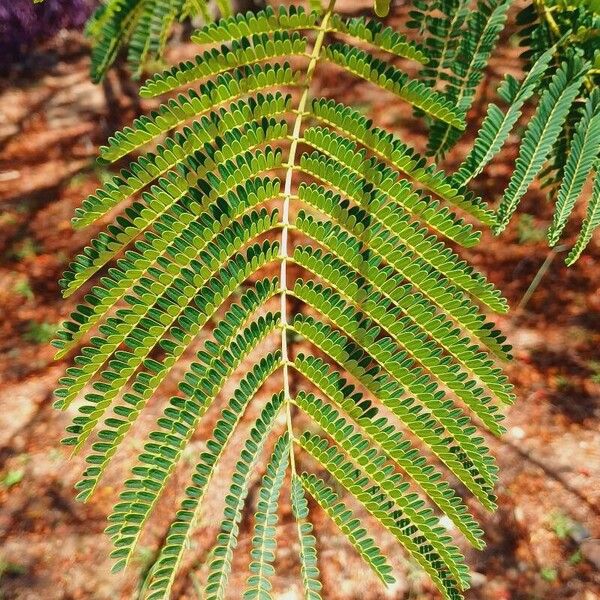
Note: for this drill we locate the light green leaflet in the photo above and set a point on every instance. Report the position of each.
(143, 26)
(591, 222)
(251, 176)
(477, 41)
(496, 127)
(585, 150)
(542, 132)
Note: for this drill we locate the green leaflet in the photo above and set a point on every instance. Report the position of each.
(388, 352)
(347, 167)
(121, 370)
(226, 88)
(216, 61)
(167, 201)
(343, 517)
(141, 25)
(382, 7)
(440, 23)
(560, 144)
(571, 28)
(591, 222)
(401, 156)
(584, 151)
(390, 78)
(377, 502)
(382, 432)
(415, 319)
(264, 542)
(308, 550)
(427, 284)
(142, 325)
(201, 216)
(159, 459)
(375, 33)
(267, 21)
(220, 566)
(497, 125)
(383, 474)
(181, 528)
(459, 39)
(542, 131)
(240, 117)
(115, 428)
(384, 224)
(194, 236)
(482, 28)
(270, 21)
(449, 437)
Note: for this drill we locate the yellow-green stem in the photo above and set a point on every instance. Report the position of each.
(285, 218)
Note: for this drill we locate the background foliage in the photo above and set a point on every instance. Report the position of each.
(547, 574)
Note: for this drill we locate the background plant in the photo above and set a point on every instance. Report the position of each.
(263, 180)
(144, 27)
(560, 145)
(24, 24)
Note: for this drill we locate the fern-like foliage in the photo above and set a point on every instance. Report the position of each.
(459, 38)
(498, 124)
(558, 106)
(143, 26)
(482, 28)
(591, 221)
(546, 24)
(560, 144)
(584, 153)
(561, 59)
(439, 24)
(542, 132)
(556, 27)
(247, 184)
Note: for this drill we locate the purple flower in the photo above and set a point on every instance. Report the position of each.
(24, 24)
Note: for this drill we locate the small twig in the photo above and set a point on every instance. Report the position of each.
(196, 585)
(539, 276)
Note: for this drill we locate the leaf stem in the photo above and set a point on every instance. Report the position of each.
(285, 218)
